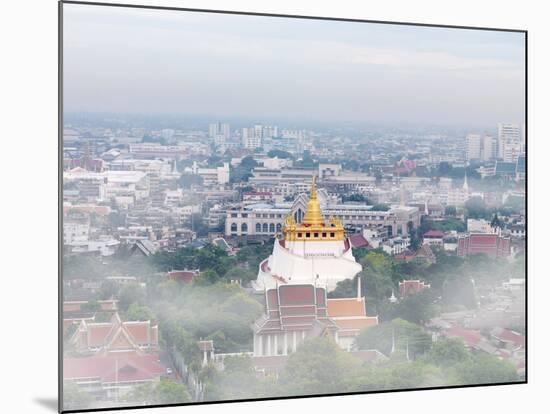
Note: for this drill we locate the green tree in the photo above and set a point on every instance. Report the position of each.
(399, 332)
(448, 352)
(416, 240)
(319, 366)
(418, 308)
(206, 278)
(138, 312)
(475, 208)
(496, 222)
(483, 368)
(175, 336)
(90, 306)
(376, 276)
(380, 207)
(168, 392)
(108, 290)
(244, 274)
(238, 380)
(131, 293)
(346, 288)
(165, 392)
(279, 154)
(450, 211)
(75, 398)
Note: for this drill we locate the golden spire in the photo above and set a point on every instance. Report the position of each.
(313, 216)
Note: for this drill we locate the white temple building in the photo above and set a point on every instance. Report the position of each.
(309, 252)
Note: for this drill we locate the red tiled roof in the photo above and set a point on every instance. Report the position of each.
(357, 240)
(111, 368)
(296, 294)
(184, 276)
(434, 234)
(470, 337)
(138, 332)
(346, 307)
(206, 345)
(356, 324)
(98, 334)
(408, 287)
(510, 336)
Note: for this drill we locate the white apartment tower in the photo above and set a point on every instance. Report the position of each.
(480, 147)
(219, 128)
(252, 138)
(509, 141)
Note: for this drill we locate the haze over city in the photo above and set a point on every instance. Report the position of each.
(156, 62)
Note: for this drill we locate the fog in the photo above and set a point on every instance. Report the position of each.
(151, 61)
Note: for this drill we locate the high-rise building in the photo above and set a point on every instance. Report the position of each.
(473, 150)
(251, 138)
(509, 141)
(259, 131)
(489, 148)
(219, 128)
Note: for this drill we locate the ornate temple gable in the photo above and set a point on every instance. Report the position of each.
(121, 340)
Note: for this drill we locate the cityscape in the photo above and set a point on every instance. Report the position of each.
(238, 256)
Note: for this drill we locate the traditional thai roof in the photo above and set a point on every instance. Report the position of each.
(295, 307)
(490, 244)
(184, 276)
(411, 287)
(115, 335)
(346, 307)
(113, 368)
(206, 346)
(350, 314)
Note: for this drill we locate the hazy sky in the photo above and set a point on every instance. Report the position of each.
(157, 61)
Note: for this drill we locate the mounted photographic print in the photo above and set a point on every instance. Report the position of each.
(260, 206)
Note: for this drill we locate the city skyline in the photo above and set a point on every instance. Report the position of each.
(317, 69)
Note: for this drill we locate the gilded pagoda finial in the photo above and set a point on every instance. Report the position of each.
(313, 216)
(312, 227)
